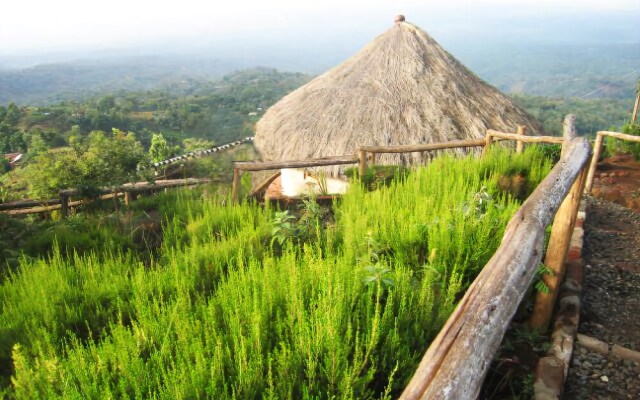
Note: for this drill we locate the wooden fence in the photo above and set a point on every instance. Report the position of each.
(457, 361)
(362, 154)
(129, 191)
(597, 150)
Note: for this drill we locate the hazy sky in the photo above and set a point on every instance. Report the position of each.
(50, 25)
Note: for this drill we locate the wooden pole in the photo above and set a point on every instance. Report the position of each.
(568, 131)
(597, 149)
(372, 161)
(634, 114)
(129, 196)
(559, 240)
(236, 184)
(557, 250)
(522, 130)
(64, 205)
(362, 163)
(487, 143)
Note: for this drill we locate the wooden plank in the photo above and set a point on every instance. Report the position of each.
(496, 135)
(411, 148)
(317, 162)
(457, 360)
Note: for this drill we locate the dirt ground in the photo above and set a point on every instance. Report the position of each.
(611, 290)
(617, 180)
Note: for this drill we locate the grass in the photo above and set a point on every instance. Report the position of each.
(224, 311)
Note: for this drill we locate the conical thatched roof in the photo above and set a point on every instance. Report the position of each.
(402, 88)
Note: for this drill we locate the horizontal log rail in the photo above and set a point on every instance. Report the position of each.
(129, 191)
(496, 135)
(361, 155)
(316, 162)
(58, 205)
(15, 205)
(240, 166)
(141, 186)
(457, 360)
(424, 147)
(597, 150)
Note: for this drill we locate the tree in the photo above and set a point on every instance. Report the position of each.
(98, 160)
(160, 149)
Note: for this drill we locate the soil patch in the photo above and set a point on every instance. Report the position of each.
(611, 294)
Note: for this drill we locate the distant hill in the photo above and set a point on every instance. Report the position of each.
(78, 80)
(587, 71)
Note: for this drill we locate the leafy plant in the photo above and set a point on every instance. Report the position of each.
(538, 281)
(284, 228)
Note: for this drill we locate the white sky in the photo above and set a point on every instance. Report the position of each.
(37, 25)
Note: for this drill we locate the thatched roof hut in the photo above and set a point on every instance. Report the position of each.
(402, 88)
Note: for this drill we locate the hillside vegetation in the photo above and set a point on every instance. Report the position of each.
(250, 302)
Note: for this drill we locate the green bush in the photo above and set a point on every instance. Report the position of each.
(615, 146)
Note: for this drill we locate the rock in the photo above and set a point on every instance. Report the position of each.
(604, 378)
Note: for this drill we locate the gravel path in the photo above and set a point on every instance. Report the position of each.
(611, 304)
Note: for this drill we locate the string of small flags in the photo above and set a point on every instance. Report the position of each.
(200, 153)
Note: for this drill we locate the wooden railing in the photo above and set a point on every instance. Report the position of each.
(457, 361)
(597, 150)
(361, 156)
(64, 203)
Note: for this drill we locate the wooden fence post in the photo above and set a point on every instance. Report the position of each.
(130, 196)
(64, 205)
(636, 105)
(559, 241)
(597, 149)
(236, 184)
(362, 163)
(522, 130)
(557, 251)
(568, 131)
(487, 143)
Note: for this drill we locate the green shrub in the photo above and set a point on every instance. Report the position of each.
(220, 313)
(615, 146)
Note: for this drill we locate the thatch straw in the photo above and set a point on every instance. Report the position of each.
(402, 88)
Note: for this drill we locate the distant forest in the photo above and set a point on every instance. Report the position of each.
(102, 139)
(227, 109)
